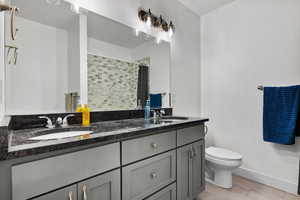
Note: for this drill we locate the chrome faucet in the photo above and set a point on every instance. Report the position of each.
(60, 122)
(49, 122)
(65, 120)
(157, 115)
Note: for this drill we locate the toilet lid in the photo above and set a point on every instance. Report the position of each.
(222, 154)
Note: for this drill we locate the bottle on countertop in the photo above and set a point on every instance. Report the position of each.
(79, 108)
(86, 113)
(85, 110)
(147, 110)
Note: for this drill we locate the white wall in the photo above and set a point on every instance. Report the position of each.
(2, 81)
(41, 69)
(185, 48)
(100, 48)
(245, 44)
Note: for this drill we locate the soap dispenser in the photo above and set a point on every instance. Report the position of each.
(147, 110)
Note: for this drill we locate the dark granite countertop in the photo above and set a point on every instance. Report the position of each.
(20, 144)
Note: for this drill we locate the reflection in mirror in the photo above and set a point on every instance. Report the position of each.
(47, 60)
(45, 72)
(125, 67)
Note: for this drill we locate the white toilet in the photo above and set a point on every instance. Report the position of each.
(220, 164)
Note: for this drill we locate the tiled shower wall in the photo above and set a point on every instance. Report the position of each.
(112, 84)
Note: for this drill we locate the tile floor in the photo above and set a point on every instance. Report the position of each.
(244, 189)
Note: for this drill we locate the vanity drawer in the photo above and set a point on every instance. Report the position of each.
(169, 193)
(146, 177)
(137, 149)
(69, 193)
(38, 177)
(189, 135)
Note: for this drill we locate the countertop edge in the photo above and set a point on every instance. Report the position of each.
(6, 155)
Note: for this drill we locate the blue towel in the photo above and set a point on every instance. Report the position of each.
(155, 100)
(280, 115)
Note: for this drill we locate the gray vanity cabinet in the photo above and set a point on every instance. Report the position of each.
(190, 171)
(103, 187)
(164, 166)
(68, 193)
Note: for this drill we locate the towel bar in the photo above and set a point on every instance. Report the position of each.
(260, 87)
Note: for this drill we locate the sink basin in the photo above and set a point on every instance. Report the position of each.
(61, 135)
(174, 118)
(162, 122)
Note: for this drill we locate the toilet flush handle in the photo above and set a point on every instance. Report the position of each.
(205, 129)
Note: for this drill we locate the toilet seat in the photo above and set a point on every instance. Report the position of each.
(222, 154)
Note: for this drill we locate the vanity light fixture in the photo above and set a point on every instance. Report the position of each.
(152, 20)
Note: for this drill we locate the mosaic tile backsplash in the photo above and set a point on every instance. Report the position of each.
(112, 84)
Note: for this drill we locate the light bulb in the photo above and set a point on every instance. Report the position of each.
(148, 21)
(137, 32)
(158, 40)
(171, 32)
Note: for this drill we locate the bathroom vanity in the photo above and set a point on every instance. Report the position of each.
(65, 52)
(152, 161)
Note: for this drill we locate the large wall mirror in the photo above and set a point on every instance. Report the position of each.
(45, 66)
(120, 71)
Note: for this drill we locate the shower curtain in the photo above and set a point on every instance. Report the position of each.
(143, 85)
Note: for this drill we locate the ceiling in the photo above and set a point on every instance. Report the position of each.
(202, 7)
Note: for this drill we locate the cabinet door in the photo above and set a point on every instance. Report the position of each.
(198, 173)
(184, 173)
(190, 171)
(169, 193)
(103, 187)
(69, 193)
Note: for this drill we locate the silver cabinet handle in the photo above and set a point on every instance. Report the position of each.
(205, 129)
(191, 153)
(153, 175)
(70, 195)
(84, 192)
(154, 145)
(13, 30)
(194, 152)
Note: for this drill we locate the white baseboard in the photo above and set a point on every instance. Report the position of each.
(267, 180)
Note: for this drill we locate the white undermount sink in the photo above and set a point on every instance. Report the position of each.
(61, 135)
